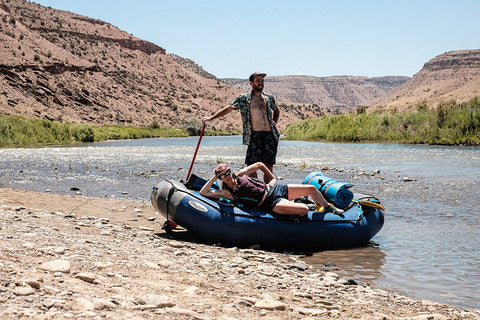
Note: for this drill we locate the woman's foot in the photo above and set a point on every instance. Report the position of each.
(330, 209)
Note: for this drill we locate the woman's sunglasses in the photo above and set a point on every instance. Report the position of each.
(224, 174)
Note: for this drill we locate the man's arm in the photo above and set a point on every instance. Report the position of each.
(220, 113)
(276, 115)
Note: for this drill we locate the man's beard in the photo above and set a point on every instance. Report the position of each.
(258, 88)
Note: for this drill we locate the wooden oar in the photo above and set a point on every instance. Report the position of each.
(195, 155)
(370, 204)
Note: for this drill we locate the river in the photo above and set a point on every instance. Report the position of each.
(429, 246)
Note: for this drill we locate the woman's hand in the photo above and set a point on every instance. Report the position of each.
(207, 191)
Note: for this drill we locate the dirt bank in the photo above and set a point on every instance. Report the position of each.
(72, 257)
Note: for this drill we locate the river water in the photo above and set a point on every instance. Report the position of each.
(428, 247)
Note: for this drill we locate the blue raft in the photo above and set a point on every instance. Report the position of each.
(235, 225)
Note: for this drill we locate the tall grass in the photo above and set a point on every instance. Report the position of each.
(447, 124)
(17, 131)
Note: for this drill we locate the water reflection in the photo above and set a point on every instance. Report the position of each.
(362, 263)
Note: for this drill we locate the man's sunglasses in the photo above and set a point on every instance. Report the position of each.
(224, 174)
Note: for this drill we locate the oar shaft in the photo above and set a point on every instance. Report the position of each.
(196, 150)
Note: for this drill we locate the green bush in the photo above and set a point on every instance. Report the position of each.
(193, 126)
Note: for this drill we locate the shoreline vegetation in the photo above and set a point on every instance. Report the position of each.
(18, 132)
(450, 123)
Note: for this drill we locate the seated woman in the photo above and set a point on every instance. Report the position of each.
(267, 195)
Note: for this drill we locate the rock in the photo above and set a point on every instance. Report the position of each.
(186, 312)
(312, 312)
(48, 303)
(329, 281)
(102, 304)
(298, 265)
(242, 302)
(59, 250)
(28, 245)
(190, 290)
(145, 228)
(104, 264)
(88, 277)
(426, 317)
(331, 275)
(56, 266)
(24, 291)
(150, 264)
(159, 301)
(33, 283)
(82, 304)
(270, 304)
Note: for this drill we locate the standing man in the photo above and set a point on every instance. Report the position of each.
(260, 115)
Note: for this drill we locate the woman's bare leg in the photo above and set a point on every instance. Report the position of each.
(285, 206)
(300, 190)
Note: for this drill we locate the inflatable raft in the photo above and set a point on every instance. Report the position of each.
(234, 225)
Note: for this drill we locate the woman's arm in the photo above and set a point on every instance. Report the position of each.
(267, 174)
(206, 190)
(249, 170)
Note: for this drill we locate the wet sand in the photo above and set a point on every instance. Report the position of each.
(71, 257)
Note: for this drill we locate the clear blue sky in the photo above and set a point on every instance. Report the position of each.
(233, 38)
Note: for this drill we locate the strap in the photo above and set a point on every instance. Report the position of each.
(169, 197)
(361, 214)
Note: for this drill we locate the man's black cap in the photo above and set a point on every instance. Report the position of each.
(253, 75)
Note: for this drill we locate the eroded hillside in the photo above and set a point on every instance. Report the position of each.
(62, 66)
(450, 76)
(342, 93)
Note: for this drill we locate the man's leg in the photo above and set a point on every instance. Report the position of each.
(262, 148)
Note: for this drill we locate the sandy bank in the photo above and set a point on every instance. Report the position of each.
(75, 257)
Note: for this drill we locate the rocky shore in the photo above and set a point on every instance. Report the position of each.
(72, 257)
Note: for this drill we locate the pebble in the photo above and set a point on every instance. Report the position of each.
(87, 277)
(270, 304)
(23, 291)
(83, 304)
(158, 301)
(312, 312)
(56, 266)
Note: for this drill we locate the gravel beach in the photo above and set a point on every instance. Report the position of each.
(73, 257)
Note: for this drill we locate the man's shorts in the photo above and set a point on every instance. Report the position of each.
(274, 195)
(262, 148)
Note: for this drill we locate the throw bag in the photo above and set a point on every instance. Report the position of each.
(334, 192)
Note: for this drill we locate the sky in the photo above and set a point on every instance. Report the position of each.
(233, 38)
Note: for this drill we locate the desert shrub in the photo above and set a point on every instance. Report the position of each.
(193, 126)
